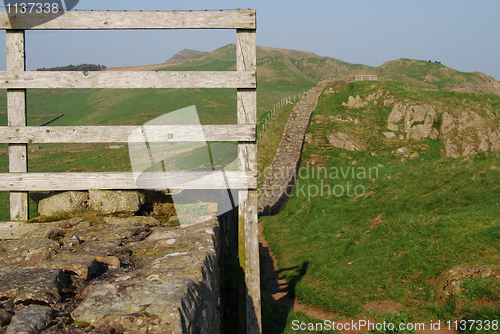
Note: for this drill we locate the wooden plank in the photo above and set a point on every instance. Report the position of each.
(239, 19)
(127, 79)
(249, 214)
(123, 134)
(16, 110)
(126, 180)
(246, 60)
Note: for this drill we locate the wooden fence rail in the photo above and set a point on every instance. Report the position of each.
(122, 134)
(239, 19)
(364, 77)
(17, 134)
(130, 79)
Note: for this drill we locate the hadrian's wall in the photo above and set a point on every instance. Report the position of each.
(126, 275)
(282, 174)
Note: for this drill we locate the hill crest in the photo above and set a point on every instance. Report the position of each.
(313, 68)
(442, 76)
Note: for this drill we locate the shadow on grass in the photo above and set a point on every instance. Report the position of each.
(278, 294)
(275, 312)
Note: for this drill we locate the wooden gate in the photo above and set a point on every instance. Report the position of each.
(18, 135)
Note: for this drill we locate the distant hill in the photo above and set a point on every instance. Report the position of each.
(442, 76)
(186, 55)
(288, 66)
(315, 68)
(281, 73)
(81, 67)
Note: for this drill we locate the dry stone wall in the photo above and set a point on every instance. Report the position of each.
(282, 174)
(126, 275)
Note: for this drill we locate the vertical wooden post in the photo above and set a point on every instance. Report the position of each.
(16, 110)
(246, 56)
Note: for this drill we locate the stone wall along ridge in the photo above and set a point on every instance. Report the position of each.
(284, 168)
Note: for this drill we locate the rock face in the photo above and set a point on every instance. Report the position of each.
(64, 202)
(418, 120)
(356, 102)
(449, 281)
(127, 275)
(463, 132)
(151, 304)
(30, 320)
(344, 141)
(32, 284)
(28, 251)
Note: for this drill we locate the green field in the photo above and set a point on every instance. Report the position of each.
(136, 107)
(371, 226)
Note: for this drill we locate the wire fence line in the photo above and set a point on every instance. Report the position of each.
(276, 109)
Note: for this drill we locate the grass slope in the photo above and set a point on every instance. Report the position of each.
(186, 55)
(412, 220)
(442, 76)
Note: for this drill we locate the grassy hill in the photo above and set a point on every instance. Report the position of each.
(186, 55)
(374, 226)
(442, 76)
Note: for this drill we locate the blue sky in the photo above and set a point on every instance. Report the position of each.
(461, 34)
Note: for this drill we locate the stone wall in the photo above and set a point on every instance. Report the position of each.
(282, 174)
(127, 275)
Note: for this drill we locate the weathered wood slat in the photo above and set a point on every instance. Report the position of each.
(248, 213)
(123, 134)
(124, 180)
(127, 79)
(16, 110)
(239, 19)
(246, 60)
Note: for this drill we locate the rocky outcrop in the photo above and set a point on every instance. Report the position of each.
(344, 141)
(449, 281)
(463, 132)
(418, 120)
(356, 102)
(126, 275)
